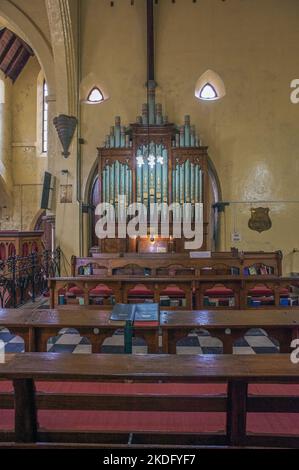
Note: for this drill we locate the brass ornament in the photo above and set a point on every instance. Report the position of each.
(260, 220)
(65, 127)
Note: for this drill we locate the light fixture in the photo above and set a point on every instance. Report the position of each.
(208, 92)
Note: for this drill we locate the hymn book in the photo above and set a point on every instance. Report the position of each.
(135, 312)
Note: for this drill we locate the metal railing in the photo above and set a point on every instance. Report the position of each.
(23, 279)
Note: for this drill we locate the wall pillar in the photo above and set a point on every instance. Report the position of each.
(220, 236)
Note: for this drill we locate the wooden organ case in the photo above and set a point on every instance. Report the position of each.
(154, 161)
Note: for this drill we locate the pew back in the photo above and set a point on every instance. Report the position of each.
(237, 372)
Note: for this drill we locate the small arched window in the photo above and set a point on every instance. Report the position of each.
(208, 92)
(210, 87)
(45, 118)
(95, 96)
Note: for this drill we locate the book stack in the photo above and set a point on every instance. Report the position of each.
(260, 270)
(85, 270)
(219, 302)
(166, 301)
(234, 271)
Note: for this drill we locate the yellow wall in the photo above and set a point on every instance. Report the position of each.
(252, 132)
(6, 183)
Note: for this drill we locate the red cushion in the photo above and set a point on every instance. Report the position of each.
(260, 290)
(284, 292)
(173, 292)
(75, 291)
(141, 290)
(101, 290)
(221, 291)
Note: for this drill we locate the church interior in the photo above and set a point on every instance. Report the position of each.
(149, 259)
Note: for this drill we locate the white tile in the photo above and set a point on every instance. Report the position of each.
(259, 341)
(63, 331)
(209, 342)
(258, 330)
(82, 349)
(16, 340)
(243, 350)
(115, 340)
(68, 339)
(139, 349)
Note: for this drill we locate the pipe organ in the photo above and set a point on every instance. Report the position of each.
(117, 179)
(152, 174)
(154, 161)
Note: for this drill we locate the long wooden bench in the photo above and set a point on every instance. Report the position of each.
(238, 372)
(197, 291)
(229, 326)
(37, 327)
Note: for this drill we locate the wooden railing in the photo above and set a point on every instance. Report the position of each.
(190, 292)
(220, 263)
(23, 278)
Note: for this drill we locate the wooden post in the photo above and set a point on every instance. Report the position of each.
(236, 412)
(128, 337)
(150, 42)
(25, 411)
(53, 293)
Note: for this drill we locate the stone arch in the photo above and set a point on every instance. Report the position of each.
(63, 45)
(88, 197)
(6, 181)
(5, 195)
(36, 219)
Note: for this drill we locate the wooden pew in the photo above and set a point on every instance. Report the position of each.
(38, 326)
(121, 285)
(24, 370)
(195, 288)
(228, 326)
(219, 261)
